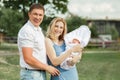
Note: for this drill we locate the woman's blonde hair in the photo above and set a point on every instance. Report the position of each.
(51, 27)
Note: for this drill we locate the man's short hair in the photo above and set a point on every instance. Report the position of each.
(36, 6)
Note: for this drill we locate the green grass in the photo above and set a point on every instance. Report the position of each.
(9, 67)
(93, 66)
(99, 66)
(8, 47)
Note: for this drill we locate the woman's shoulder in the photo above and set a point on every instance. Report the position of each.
(48, 40)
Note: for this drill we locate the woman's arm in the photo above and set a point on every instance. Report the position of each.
(57, 60)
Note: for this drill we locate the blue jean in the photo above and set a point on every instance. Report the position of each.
(32, 75)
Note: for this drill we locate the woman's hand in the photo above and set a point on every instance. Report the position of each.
(77, 48)
(75, 59)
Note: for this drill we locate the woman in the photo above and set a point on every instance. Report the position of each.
(55, 47)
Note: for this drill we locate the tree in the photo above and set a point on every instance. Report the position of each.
(74, 22)
(10, 21)
(111, 29)
(46, 22)
(24, 4)
(94, 33)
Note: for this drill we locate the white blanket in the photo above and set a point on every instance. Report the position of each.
(82, 34)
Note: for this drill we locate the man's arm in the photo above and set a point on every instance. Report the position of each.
(29, 59)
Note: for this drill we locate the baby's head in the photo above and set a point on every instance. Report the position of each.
(75, 41)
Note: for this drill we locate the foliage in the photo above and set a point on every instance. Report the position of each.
(107, 28)
(93, 30)
(10, 21)
(115, 33)
(24, 4)
(20, 8)
(46, 22)
(74, 22)
(111, 29)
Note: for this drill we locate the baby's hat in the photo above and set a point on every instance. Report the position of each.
(83, 27)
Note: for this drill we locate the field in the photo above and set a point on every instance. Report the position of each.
(99, 66)
(93, 66)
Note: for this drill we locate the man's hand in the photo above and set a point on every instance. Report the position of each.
(53, 71)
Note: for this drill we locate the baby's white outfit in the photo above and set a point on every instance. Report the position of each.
(82, 34)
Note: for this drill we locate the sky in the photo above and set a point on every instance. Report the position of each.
(98, 9)
(94, 9)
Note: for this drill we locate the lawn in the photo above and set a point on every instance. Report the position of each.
(99, 66)
(9, 68)
(93, 66)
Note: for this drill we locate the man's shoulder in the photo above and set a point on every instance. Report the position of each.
(26, 28)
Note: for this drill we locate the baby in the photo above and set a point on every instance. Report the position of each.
(80, 36)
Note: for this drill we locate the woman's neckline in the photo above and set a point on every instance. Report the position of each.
(58, 43)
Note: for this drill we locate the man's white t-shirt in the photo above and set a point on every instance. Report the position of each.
(30, 36)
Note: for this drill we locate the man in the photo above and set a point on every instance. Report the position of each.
(32, 47)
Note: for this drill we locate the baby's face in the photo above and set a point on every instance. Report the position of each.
(76, 41)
